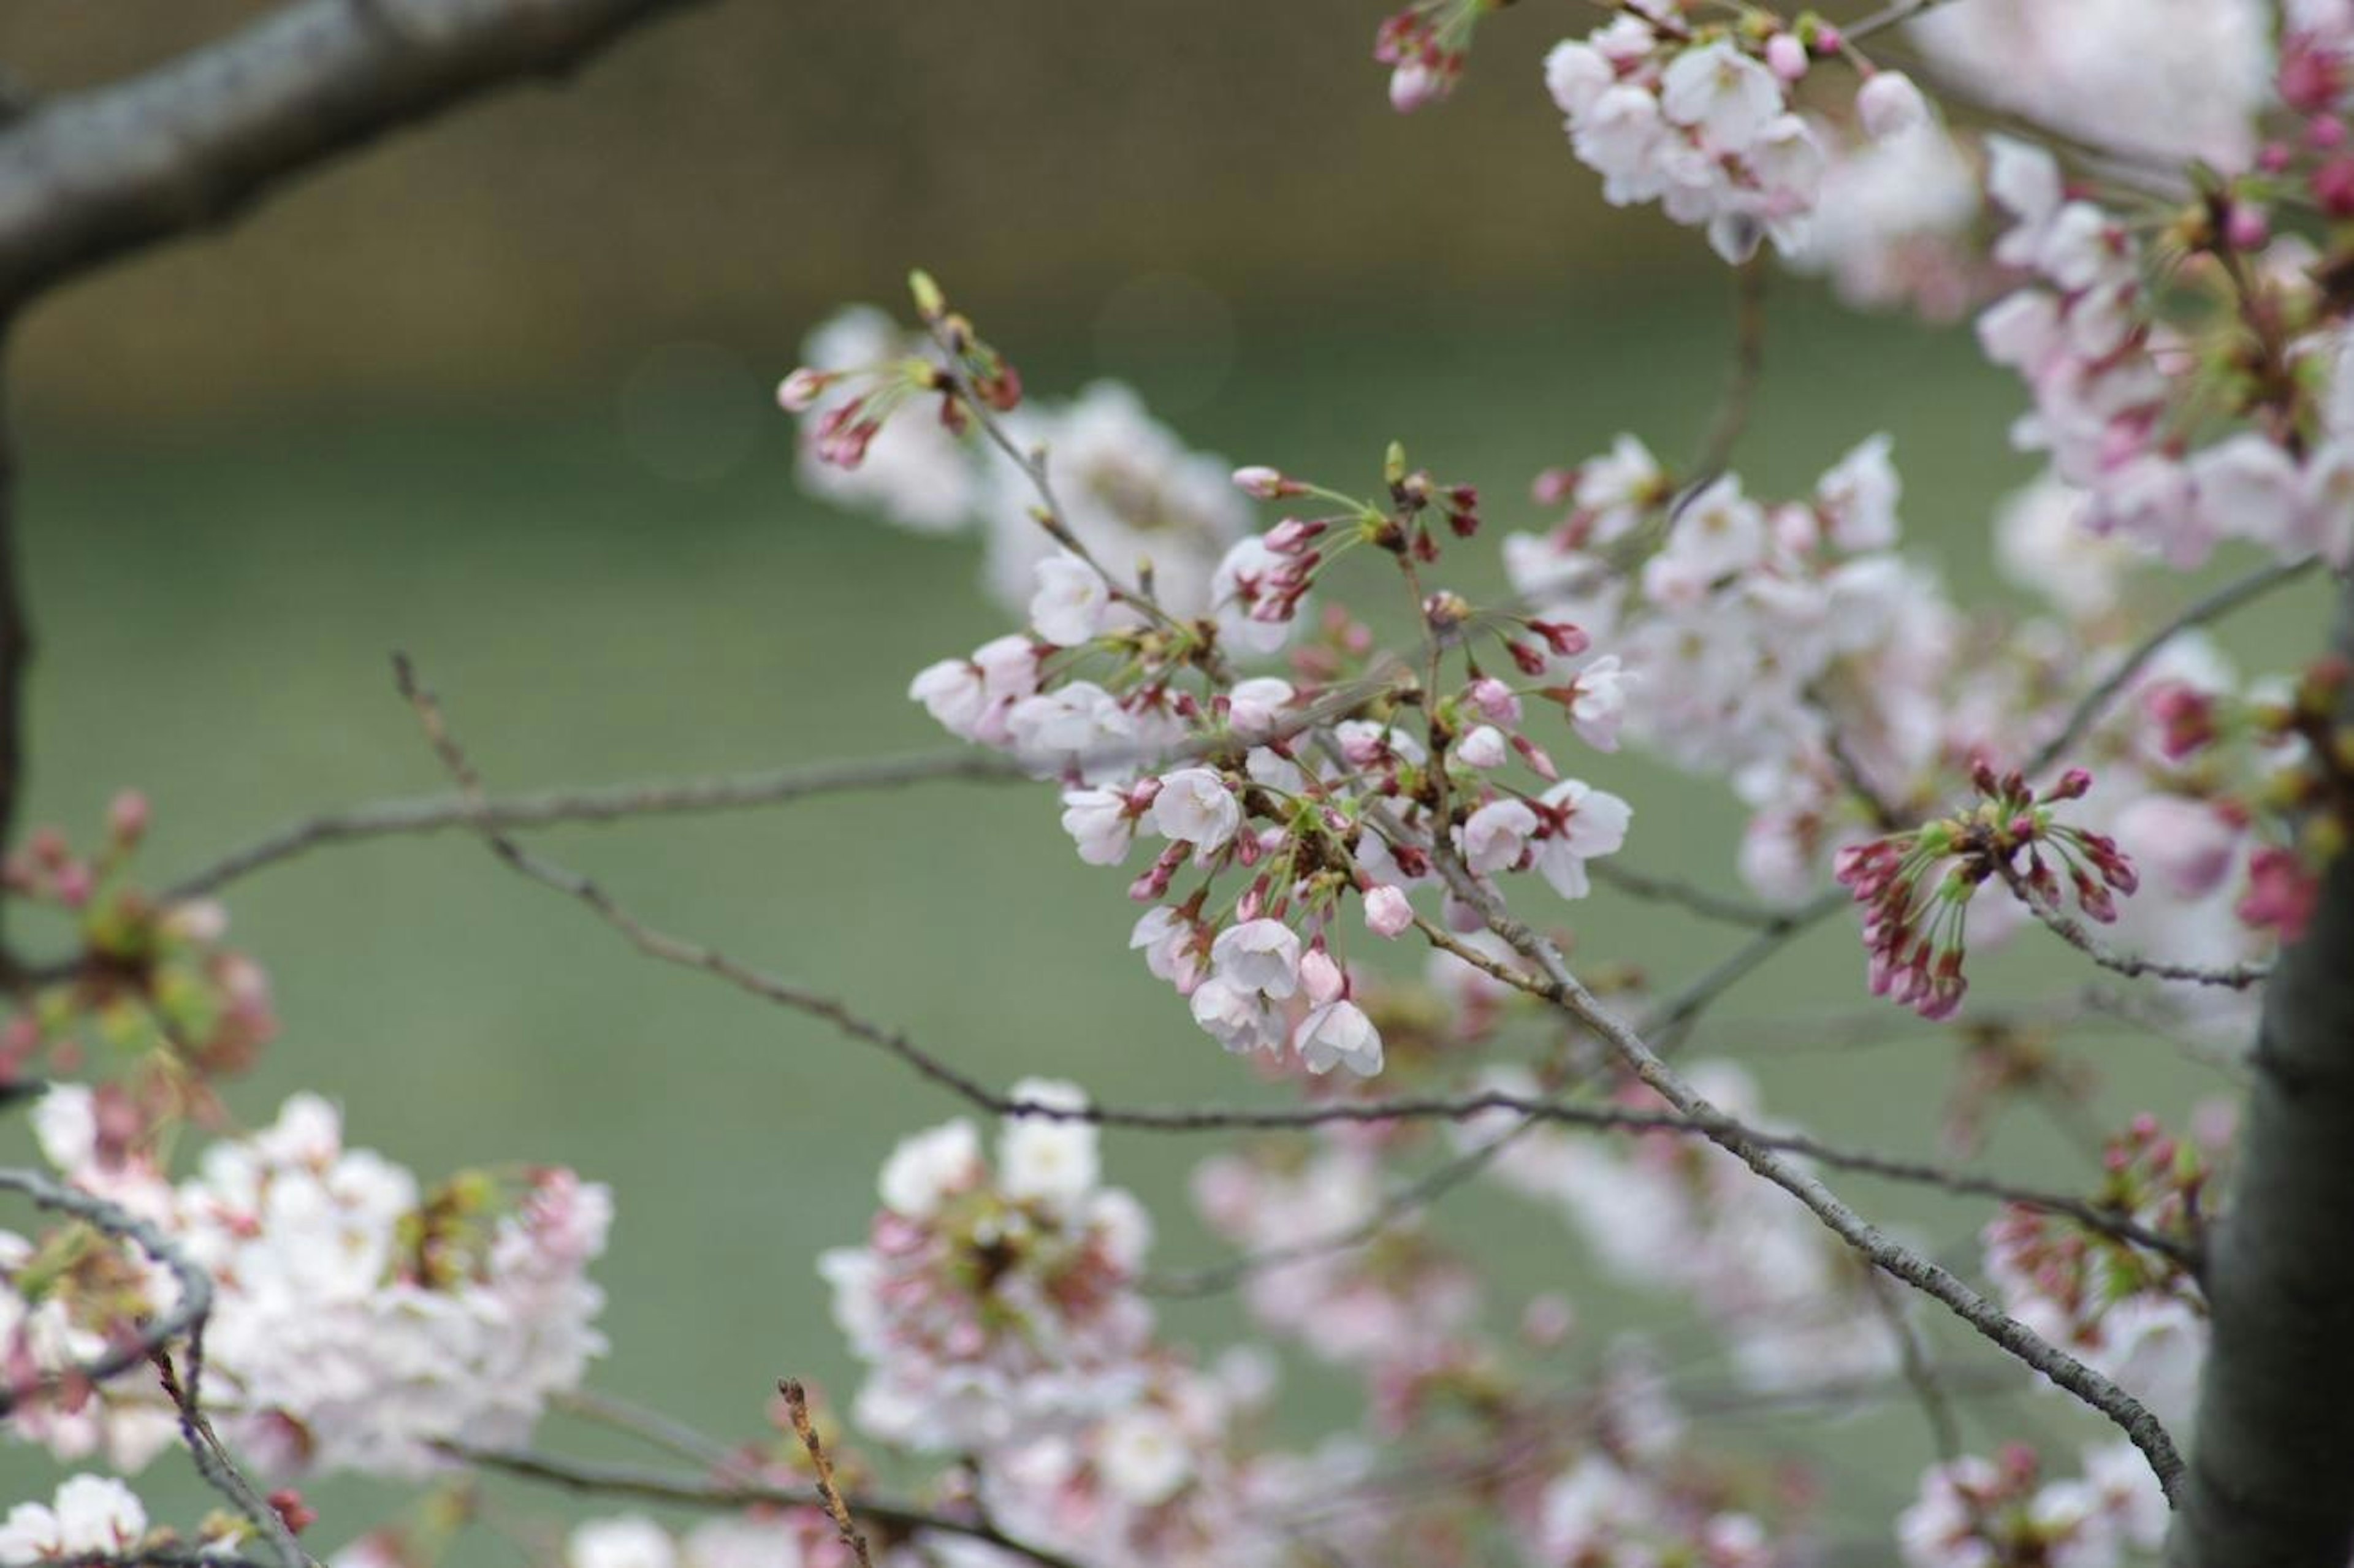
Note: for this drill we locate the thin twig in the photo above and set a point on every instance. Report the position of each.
(656, 1485)
(797, 1405)
(1893, 1257)
(2198, 612)
(219, 1471)
(2072, 931)
(665, 1432)
(435, 813)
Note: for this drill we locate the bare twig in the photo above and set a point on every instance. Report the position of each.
(615, 803)
(1893, 1257)
(213, 1464)
(2072, 931)
(797, 1405)
(2214, 606)
(656, 1485)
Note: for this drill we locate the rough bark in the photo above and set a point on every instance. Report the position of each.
(2271, 1469)
(190, 143)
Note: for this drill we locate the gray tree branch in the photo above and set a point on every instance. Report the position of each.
(195, 141)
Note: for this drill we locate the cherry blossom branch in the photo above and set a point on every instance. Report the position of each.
(656, 1485)
(615, 803)
(1892, 1257)
(671, 949)
(654, 943)
(2208, 607)
(1762, 1152)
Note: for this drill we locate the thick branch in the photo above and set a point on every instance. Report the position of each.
(190, 145)
(2275, 1436)
(15, 633)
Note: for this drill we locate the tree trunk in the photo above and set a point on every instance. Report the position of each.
(2272, 1466)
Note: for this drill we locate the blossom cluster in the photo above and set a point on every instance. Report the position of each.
(89, 1516)
(2114, 392)
(992, 1305)
(1699, 118)
(997, 1306)
(1313, 792)
(2131, 1313)
(154, 1000)
(357, 1320)
(1916, 886)
(1977, 1513)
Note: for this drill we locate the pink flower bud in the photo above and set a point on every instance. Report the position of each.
(126, 817)
(1321, 978)
(1495, 699)
(1263, 482)
(1786, 57)
(1889, 105)
(2246, 228)
(1387, 913)
(799, 392)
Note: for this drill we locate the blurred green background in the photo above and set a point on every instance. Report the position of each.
(496, 393)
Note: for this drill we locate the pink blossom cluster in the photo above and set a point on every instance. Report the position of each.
(992, 1304)
(1984, 1513)
(1699, 118)
(996, 1304)
(357, 1320)
(2133, 1313)
(1916, 886)
(2111, 385)
(1309, 791)
(155, 985)
(1425, 45)
(1769, 640)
